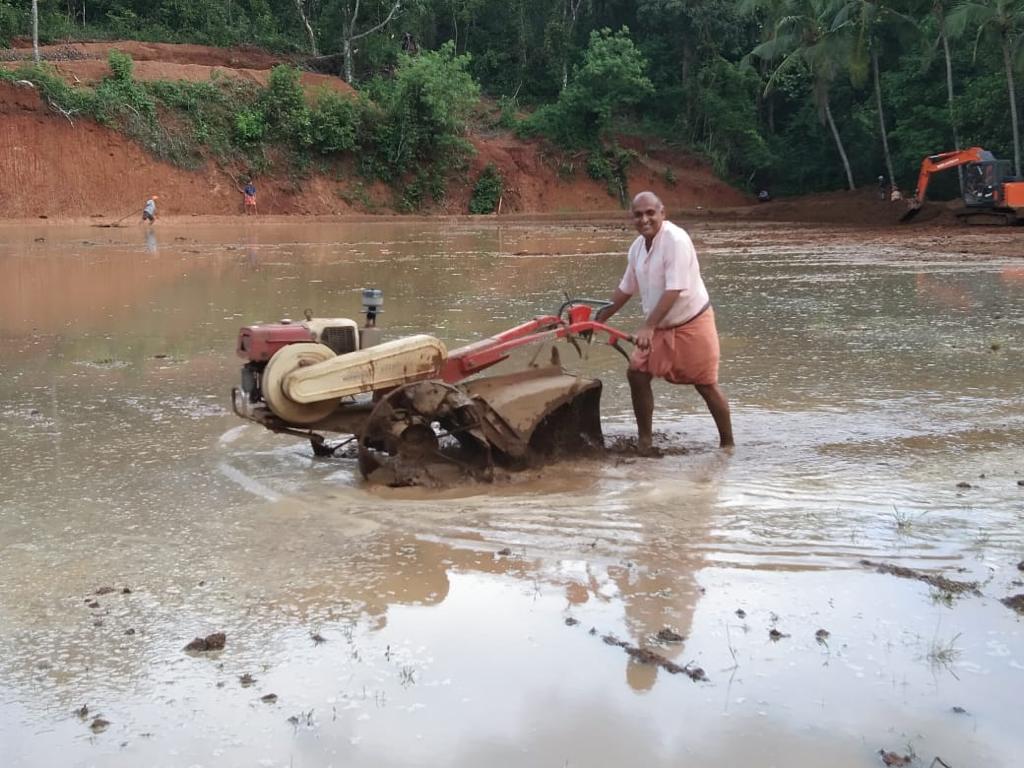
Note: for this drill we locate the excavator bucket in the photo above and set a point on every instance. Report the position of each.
(433, 433)
(910, 214)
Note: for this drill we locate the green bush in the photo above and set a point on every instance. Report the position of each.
(285, 112)
(121, 66)
(250, 127)
(611, 166)
(336, 123)
(13, 21)
(424, 110)
(487, 192)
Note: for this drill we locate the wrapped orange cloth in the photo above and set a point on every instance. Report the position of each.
(685, 354)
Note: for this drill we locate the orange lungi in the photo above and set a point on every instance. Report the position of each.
(685, 354)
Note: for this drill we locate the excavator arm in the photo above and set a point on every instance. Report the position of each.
(941, 162)
(935, 163)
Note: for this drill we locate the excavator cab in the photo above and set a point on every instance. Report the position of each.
(983, 183)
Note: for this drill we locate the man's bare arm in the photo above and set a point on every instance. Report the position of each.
(619, 299)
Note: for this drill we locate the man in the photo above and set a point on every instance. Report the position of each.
(149, 211)
(678, 340)
(249, 197)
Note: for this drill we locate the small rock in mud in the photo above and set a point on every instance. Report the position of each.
(775, 635)
(130, 631)
(126, 591)
(822, 635)
(93, 603)
(317, 638)
(506, 551)
(741, 613)
(104, 591)
(571, 622)
(161, 356)
(99, 725)
(891, 759)
(668, 635)
(97, 622)
(1016, 603)
(593, 631)
(964, 485)
(1020, 482)
(1020, 565)
(959, 710)
(246, 680)
(270, 698)
(214, 642)
(83, 711)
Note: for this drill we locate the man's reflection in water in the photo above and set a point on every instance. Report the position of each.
(151, 244)
(656, 583)
(251, 241)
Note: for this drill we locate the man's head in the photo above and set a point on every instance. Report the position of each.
(648, 214)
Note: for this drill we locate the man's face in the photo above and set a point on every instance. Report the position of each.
(648, 215)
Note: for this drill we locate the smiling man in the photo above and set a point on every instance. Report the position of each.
(678, 340)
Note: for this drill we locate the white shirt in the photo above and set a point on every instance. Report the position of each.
(670, 265)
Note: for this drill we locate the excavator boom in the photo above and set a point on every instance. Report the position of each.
(941, 162)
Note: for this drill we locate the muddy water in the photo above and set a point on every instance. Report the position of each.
(869, 376)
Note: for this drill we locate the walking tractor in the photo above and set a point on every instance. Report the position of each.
(417, 411)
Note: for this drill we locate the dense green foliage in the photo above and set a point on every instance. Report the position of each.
(487, 191)
(795, 95)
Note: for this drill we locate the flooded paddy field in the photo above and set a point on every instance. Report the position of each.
(780, 606)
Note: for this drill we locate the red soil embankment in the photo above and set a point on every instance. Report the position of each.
(50, 167)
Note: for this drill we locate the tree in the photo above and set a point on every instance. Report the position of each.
(349, 25)
(938, 14)
(869, 20)
(35, 31)
(804, 36)
(308, 27)
(1002, 22)
(611, 79)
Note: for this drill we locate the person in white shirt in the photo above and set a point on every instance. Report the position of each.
(678, 340)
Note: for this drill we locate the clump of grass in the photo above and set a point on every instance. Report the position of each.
(944, 653)
(904, 520)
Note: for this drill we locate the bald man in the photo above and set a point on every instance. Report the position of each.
(678, 340)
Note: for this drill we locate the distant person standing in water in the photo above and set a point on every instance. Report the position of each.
(249, 197)
(149, 210)
(678, 341)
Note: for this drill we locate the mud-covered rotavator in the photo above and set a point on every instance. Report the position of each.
(417, 411)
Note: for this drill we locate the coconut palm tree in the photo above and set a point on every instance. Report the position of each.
(870, 21)
(1001, 22)
(938, 13)
(803, 34)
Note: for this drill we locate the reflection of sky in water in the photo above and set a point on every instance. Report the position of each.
(865, 387)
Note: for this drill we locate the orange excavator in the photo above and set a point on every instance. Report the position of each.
(992, 195)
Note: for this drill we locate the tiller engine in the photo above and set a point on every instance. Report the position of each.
(412, 405)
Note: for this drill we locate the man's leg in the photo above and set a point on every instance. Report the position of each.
(719, 407)
(643, 406)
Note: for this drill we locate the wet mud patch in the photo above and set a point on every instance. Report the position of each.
(941, 583)
(1016, 603)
